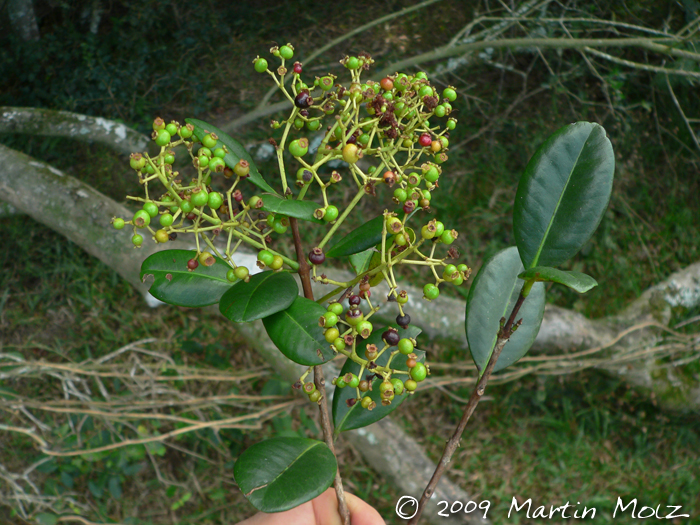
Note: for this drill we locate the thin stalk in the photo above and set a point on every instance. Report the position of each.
(504, 335)
(319, 380)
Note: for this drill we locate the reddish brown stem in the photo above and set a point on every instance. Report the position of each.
(503, 335)
(320, 382)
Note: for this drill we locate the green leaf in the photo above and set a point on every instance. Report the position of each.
(295, 331)
(493, 295)
(360, 262)
(236, 151)
(563, 194)
(175, 284)
(303, 210)
(265, 294)
(347, 418)
(360, 239)
(115, 487)
(45, 518)
(284, 472)
(575, 280)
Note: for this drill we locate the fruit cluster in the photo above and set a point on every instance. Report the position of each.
(382, 132)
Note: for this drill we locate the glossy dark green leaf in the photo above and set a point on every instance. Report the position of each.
(575, 280)
(360, 239)
(303, 210)
(295, 331)
(265, 294)
(563, 194)
(492, 296)
(175, 284)
(283, 472)
(347, 418)
(236, 151)
(360, 262)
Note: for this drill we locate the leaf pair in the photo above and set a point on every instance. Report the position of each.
(560, 202)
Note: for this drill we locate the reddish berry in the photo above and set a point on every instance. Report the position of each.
(387, 84)
(192, 264)
(354, 300)
(391, 337)
(425, 140)
(297, 67)
(303, 100)
(409, 206)
(316, 256)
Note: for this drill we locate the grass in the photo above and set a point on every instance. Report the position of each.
(583, 437)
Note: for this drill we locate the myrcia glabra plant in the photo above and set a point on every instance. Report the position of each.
(379, 134)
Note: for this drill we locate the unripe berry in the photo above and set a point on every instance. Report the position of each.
(162, 236)
(241, 272)
(331, 334)
(419, 372)
(200, 197)
(186, 131)
(286, 52)
(354, 317)
(209, 140)
(206, 259)
(242, 168)
(410, 385)
(137, 240)
(163, 138)
(137, 161)
(260, 65)
(351, 153)
(299, 147)
(265, 257)
(405, 346)
(364, 328)
(277, 262)
(336, 308)
(141, 219)
(331, 214)
(430, 291)
(215, 200)
(118, 223)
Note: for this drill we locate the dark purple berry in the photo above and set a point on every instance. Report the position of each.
(403, 320)
(316, 256)
(297, 67)
(303, 100)
(391, 337)
(351, 402)
(409, 207)
(354, 300)
(172, 236)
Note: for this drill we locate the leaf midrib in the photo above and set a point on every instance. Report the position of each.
(269, 483)
(561, 196)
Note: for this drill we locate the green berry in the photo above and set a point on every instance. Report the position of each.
(151, 208)
(405, 346)
(330, 319)
(426, 232)
(313, 125)
(364, 328)
(118, 223)
(425, 91)
(277, 262)
(241, 272)
(163, 138)
(410, 385)
(448, 236)
(315, 397)
(199, 198)
(339, 344)
(366, 402)
(217, 164)
(430, 291)
(451, 124)
(340, 383)
(166, 220)
(186, 131)
(137, 240)
(141, 219)
(209, 140)
(354, 381)
(186, 206)
(450, 273)
(171, 128)
(231, 275)
(336, 308)
(162, 236)
(450, 94)
(401, 194)
(421, 75)
(419, 372)
(299, 147)
(286, 52)
(326, 83)
(331, 214)
(439, 228)
(458, 281)
(169, 158)
(352, 63)
(397, 385)
(215, 200)
(265, 257)
(260, 65)
(440, 111)
(299, 123)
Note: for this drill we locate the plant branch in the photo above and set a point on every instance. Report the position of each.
(504, 335)
(319, 380)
